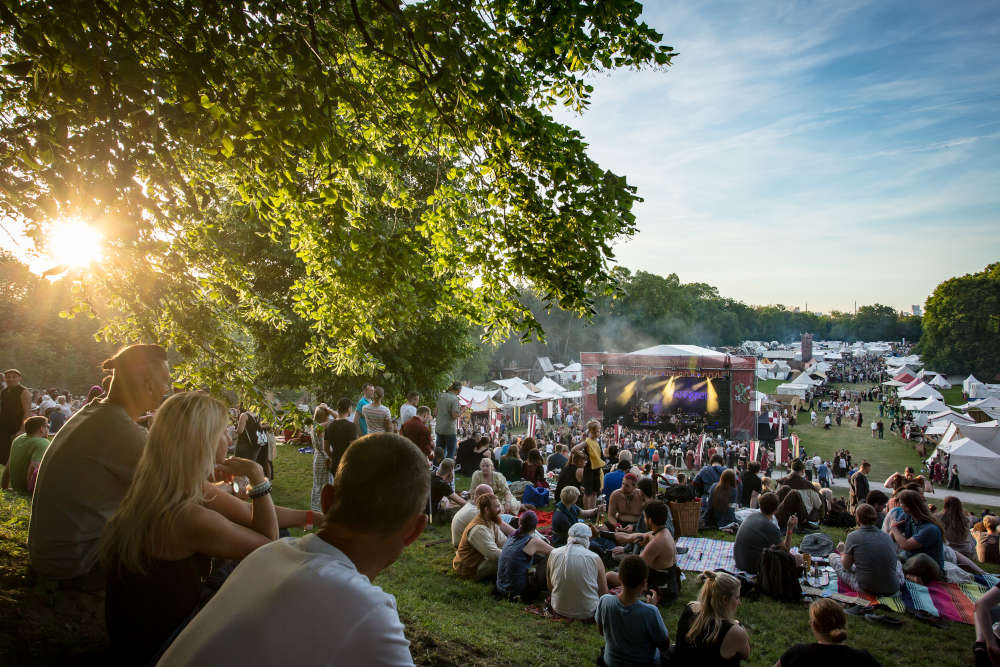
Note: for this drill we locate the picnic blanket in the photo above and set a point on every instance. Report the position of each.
(705, 554)
(544, 518)
(952, 602)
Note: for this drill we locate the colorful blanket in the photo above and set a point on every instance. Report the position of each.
(952, 602)
(705, 554)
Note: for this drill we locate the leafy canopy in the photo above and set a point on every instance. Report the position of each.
(395, 160)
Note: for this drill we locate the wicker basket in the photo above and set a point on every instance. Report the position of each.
(686, 516)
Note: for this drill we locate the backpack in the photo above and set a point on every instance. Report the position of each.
(261, 437)
(535, 495)
(679, 493)
(779, 575)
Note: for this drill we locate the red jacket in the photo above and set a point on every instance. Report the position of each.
(419, 434)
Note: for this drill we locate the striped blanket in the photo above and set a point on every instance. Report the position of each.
(952, 602)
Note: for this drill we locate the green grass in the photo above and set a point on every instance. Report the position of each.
(953, 396)
(769, 386)
(455, 622)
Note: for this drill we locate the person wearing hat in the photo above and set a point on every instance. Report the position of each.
(576, 575)
(15, 407)
(446, 412)
(522, 550)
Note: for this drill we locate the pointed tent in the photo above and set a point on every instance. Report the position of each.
(921, 391)
(550, 386)
(904, 377)
(968, 382)
(939, 382)
(913, 383)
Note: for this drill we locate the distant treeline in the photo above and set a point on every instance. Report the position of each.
(652, 309)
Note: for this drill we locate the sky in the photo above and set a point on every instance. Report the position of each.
(810, 153)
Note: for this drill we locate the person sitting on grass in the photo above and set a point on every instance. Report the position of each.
(533, 470)
(626, 503)
(465, 514)
(278, 605)
(511, 464)
(566, 514)
(750, 485)
(614, 479)
(828, 623)
(879, 501)
(480, 547)
(708, 632)
(660, 554)
(708, 475)
(760, 531)
(488, 475)
(633, 630)
(576, 575)
(921, 538)
(717, 505)
(955, 523)
(867, 560)
(801, 498)
(986, 650)
(521, 550)
(157, 548)
(988, 540)
(26, 455)
(443, 498)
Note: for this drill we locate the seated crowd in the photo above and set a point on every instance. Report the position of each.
(168, 512)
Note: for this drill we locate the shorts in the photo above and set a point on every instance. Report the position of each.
(591, 481)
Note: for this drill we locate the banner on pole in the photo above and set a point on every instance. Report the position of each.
(532, 423)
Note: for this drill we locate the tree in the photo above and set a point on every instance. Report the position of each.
(312, 124)
(961, 325)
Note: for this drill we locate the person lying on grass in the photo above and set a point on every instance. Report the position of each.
(633, 630)
(828, 623)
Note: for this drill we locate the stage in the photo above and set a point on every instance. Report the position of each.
(673, 388)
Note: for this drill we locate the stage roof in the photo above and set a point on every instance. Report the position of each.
(678, 351)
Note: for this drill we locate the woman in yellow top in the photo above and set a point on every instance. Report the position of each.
(593, 473)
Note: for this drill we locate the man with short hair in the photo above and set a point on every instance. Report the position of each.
(367, 393)
(88, 467)
(613, 480)
(625, 503)
(708, 475)
(15, 407)
(633, 630)
(447, 412)
(557, 461)
(799, 497)
(25, 455)
(867, 560)
(267, 609)
(467, 512)
(417, 431)
(660, 552)
(408, 410)
(760, 531)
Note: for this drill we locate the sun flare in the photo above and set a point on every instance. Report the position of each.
(74, 243)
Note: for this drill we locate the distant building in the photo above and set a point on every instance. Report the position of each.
(807, 347)
(917, 310)
(542, 368)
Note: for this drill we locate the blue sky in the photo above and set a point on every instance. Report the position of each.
(811, 152)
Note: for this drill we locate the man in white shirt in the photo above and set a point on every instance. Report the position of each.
(310, 600)
(408, 410)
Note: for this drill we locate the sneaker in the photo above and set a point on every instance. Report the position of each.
(681, 551)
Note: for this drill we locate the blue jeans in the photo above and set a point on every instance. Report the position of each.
(448, 443)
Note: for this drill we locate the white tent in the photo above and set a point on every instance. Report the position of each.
(792, 390)
(922, 410)
(805, 380)
(550, 386)
(509, 382)
(576, 393)
(968, 382)
(922, 390)
(977, 465)
(468, 395)
(939, 381)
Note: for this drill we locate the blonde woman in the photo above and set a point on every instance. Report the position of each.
(593, 475)
(488, 475)
(708, 632)
(157, 547)
(321, 461)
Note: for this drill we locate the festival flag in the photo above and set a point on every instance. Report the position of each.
(753, 450)
(494, 422)
(795, 446)
(773, 419)
(532, 422)
(618, 433)
(517, 415)
(547, 410)
(698, 450)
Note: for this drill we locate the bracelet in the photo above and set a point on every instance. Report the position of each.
(260, 490)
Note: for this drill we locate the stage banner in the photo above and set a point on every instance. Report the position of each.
(532, 422)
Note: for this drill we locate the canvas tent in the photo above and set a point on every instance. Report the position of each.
(922, 390)
(904, 378)
(967, 384)
(789, 389)
(550, 386)
(939, 382)
(977, 465)
(922, 410)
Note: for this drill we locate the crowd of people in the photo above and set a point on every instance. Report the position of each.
(162, 500)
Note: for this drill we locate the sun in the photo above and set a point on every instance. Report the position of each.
(74, 243)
